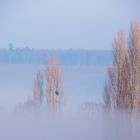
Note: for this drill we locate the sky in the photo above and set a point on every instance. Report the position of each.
(64, 24)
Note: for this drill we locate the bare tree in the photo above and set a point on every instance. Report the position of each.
(54, 83)
(38, 90)
(119, 73)
(134, 45)
(124, 73)
(106, 97)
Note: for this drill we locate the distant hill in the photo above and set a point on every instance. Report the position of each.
(66, 57)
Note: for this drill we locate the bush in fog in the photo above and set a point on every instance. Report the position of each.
(122, 90)
(54, 84)
(38, 90)
(91, 108)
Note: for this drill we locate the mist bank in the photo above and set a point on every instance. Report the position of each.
(80, 83)
(66, 57)
(99, 126)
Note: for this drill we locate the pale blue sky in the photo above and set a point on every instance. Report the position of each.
(89, 24)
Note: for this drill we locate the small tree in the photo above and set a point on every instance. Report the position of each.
(106, 97)
(38, 90)
(54, 83)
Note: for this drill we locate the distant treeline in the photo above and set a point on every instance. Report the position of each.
(66, 57)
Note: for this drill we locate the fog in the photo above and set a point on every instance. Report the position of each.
(82, 115)
(66, 125)
(80, 84)
(59, 25)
